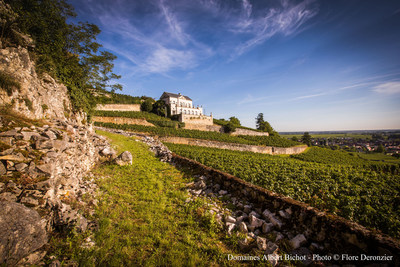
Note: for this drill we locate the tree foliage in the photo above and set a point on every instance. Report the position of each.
(235, 121)
(147, 105)
(67, 51)
(306, 138)
(230, 127)
(160, 108)
(264, 126)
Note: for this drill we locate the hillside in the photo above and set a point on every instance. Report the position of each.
(76, 193)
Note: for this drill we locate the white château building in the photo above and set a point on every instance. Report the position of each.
(180, 104)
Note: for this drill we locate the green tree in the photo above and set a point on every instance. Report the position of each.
(160, 108)
(264, 126)
(230, 127)
(306, 138)
(147, 105)
(260, 121)
(294, 138)
(234, 121)
(69, 52)
(380, 149)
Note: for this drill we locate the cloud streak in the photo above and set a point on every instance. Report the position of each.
(388, 88)
(285, 19)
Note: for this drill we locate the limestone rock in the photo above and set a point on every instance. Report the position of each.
(271, 217)
(7, 196)
(230, 219)
(284, 214)
(47, 169)
(261, 243)
(125, 158)
(267, 227)
(28, 135)
(230, 227)
(22, 232)
(243, 227)
(298, 241)
(107, 152)
(50, 134)
(67, 218)
(255, 222)
(21, 166)
(3, 169)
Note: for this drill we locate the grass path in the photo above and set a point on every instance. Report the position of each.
(144, 219)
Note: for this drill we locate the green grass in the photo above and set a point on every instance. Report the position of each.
(144, 220)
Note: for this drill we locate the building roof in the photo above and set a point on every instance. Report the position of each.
(175, 95)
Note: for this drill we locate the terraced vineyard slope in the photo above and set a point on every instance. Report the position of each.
(354, 188)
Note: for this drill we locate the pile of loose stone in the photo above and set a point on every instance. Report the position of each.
(260, 229)
(42, 172)
(157, 147)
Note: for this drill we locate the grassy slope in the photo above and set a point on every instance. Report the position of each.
(144, 219)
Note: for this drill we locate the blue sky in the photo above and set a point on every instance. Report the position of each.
(307, 65)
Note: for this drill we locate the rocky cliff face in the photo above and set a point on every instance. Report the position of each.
(39, 96)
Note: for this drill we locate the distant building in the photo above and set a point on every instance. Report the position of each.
(180, 104)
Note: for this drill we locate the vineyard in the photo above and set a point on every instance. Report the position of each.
(222, 137)
(355, 189)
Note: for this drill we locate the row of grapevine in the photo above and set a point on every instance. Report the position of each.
(328, 156)
(351, 190)
(222, 137)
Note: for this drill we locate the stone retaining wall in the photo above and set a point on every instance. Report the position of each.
(338, 235)
(118, 107)
(208, 128)
(232, 146)
(241, 131)
(122, 120)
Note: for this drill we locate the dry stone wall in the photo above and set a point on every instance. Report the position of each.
(240, 131)
(42, 171)
(232, 146)
(118, 107)
(122, 120)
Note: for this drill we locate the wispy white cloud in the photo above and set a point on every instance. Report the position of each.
(285, 19)
(163, 59)
(175, 27)
(388, 88)
(309, 96)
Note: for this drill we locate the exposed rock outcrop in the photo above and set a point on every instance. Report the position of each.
(38, 96)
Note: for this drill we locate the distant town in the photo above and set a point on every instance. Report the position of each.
(387, 141)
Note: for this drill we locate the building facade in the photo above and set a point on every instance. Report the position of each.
(180, 104)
